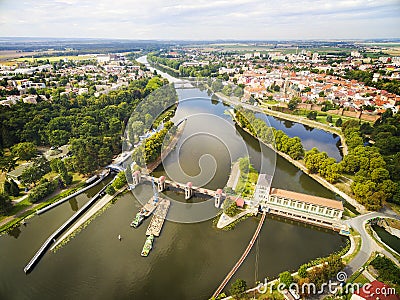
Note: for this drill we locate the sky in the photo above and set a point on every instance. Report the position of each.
(201, 19)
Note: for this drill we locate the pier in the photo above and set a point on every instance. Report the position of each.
(158, 219)
(241, 259)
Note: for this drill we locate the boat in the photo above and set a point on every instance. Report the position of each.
(148, 245)
(138, 220)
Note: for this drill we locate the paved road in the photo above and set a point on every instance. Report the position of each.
(368, 245)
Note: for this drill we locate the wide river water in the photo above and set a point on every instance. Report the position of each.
(188, 261)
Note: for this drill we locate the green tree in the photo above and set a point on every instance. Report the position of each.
(120, 180)
(244, 164)
(286, 278)
(25, 150)
(329, 119)
(379, 175)
(8, 163)
(31, 175)
(59, 137)
(303, 271)
(41, 191)
(339, 122)
(110, 190)
(238, 288)
(217, 86)
(11, 188)
(4, 202)
(293, 103)
(227, 90)
(238, 92)
(137, 129)
(312, 115)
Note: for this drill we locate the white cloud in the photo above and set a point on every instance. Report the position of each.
(201, 19)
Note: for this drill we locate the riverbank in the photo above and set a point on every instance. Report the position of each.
(30, 210)
(293, 118)
(85, 219)
(316, 177)
(164, 153)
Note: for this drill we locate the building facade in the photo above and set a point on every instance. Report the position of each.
(297, 206)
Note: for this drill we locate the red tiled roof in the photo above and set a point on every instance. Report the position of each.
(308, 198)
(240, 202)
(376, 290)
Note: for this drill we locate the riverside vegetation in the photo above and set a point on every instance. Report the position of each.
(92, 126)
(375, 175)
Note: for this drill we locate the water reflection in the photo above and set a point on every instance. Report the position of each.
(74, 204)
(308, 128)
(214, 100)
(14, 232)
(288, 124)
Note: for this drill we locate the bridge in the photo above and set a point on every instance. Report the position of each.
(242, 258)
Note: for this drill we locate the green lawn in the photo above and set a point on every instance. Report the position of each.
(56, 58)
(361, 279)
(247, 183)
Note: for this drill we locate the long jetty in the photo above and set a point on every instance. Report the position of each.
(241, 259)
(44, 209)
(158, 218)
(61, 229)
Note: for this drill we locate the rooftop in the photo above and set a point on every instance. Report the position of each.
(377, 290)
(18, 170)
(308, 198)
(264, 180)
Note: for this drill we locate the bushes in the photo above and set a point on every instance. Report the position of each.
(238, 288)
(388, 271)
(302, 272)
(232, 210)
(286, 278)
(120, 181)
(110, 190)
(41, 191)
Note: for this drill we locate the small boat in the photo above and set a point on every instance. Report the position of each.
(148, 245)
(138, 220)
(119, 237)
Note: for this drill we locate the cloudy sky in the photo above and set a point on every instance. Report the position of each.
(201, 19)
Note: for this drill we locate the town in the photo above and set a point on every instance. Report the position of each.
(78, 103)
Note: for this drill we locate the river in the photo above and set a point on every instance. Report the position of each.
(188, 261)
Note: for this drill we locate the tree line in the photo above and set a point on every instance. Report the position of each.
(269, 135)
(92, 126)
(371, 161)
(392, 86)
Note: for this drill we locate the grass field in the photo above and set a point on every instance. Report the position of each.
(56, 58)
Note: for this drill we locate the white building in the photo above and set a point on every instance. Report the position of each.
(300, 207)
